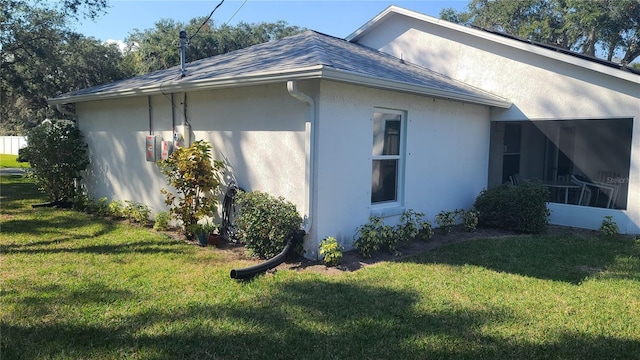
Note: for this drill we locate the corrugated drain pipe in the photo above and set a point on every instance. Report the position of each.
(251, 271)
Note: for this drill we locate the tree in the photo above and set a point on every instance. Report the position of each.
(605, 28)
(58, 155)
(41, 58)
(158, 48)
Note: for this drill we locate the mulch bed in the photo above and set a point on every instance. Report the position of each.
(352, 261)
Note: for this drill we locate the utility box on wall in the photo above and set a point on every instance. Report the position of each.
(166, 149)
(152, 147)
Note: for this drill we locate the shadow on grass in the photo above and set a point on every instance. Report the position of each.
(570, 259)
(15, 190)
(307, 319)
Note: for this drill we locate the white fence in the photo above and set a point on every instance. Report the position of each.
(11, 144)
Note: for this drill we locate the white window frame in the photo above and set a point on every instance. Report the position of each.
(395, 207)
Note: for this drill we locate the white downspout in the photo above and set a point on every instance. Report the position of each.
(292, 87)
(64, 112)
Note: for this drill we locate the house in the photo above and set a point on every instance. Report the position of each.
(408, 112)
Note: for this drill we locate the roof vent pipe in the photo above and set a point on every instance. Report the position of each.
(183, 50)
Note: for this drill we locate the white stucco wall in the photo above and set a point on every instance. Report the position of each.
(540, 87)
(258, 132)
(447, 149)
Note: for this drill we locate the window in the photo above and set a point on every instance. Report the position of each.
(386, 156)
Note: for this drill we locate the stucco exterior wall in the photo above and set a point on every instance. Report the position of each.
(540, 87)
(447, 149)
(258, 132)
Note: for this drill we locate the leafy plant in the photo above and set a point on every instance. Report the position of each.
(58, 155)
(520, 208)
(137, 212)
(161, 221)
(116, 208)
(469, 219)
(332, 251)
(426, 231)
(265, 222)
(446, 220)
(195, 176)
(409, 226)
(609, 228)
(373, 236)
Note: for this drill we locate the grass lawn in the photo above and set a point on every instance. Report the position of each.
(79, 287)
(9, 161)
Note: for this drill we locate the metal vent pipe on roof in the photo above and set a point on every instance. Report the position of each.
(183, 49)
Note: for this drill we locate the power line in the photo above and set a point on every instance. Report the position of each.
(234, 14)
(206, 20)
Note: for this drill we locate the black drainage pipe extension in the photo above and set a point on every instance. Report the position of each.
(60, 204)
(251, 271)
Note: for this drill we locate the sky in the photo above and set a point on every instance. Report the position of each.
(332, 17)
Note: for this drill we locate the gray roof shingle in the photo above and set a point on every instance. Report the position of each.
(307, 50)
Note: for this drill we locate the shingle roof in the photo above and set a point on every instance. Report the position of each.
(306, 55)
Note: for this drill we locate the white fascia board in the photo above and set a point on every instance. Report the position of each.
(375, 82)
(166, 87)
(534, 49)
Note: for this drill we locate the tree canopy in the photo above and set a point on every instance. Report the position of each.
(40, 57)
(608, 29)
(157, 48)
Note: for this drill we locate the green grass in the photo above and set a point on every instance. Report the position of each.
(9, 161)
(79, 287)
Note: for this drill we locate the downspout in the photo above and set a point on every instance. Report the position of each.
(65, 112)
(292, 88)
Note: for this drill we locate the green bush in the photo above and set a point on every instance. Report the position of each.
(58, 155)
(195, 176)
(331, 250)
(609, 228)
(446, 220)
(520, 208)
(161, 221)
(372, 236)
(469, 219)
(426, 231)
(116, 208)
(136, 212)
(265, 223)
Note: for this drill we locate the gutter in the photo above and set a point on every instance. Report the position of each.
(271, 77)
(292, 88)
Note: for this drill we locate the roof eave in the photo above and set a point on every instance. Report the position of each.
(375, 82)
(195, 85)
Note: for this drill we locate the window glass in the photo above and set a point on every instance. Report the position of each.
(387, 156)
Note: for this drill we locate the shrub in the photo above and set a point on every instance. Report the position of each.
(609, 228)
(265, 223)
(426, 231)
(191, 171)
(161, 221)
(446, 220)
(116, 208)
(520, 208)
(58, 155)
(136, 212)
(469, 219)
(373, 236)
(409, 226)
(331, 250)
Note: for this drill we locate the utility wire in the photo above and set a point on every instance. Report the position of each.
(234, 14)
(206, 20)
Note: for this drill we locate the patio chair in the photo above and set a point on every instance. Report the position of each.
(604, 179)
(588, 187)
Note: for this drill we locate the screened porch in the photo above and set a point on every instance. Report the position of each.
(582, 162)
